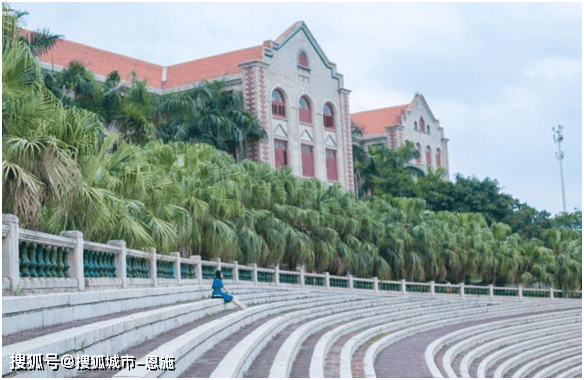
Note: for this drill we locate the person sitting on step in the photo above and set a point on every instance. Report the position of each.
(220, 291)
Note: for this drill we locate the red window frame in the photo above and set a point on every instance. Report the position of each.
(328, 116)
(429, 156)
(302, 59)
(331, 165)
(422, 125)
(280, 153)
(278, 105)
(438, 158)
(307, 160)
(304, 110)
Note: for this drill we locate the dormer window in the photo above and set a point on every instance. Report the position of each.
(328, 116)
(303, 60)
(278, 104)
(304, 110)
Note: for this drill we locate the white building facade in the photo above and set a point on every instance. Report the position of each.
(414, 122)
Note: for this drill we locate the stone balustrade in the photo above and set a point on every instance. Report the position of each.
(35, 262)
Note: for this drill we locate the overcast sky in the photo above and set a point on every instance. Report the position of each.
(498, 76)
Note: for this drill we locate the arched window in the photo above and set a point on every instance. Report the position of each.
(422, 124)
(438, 158)
(328, 116)
(419, 150)
(278, 104)
(429, 156)
(303, 59)
(415, 125)
(428, 129)
(304, 110)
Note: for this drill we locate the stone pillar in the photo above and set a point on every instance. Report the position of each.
(121, 267)
(350, 282)
(199, 268)
(552, 293)
(520, 292)
(403, 286)
(177, 274)
(376, 284)
(327, 280)
(218, 263)
(254, 273)
(277, 275)
(153, 274)
(75, 258)
(10, 254)
(236, 272)
(462, 289)
(491, 292)
(302, 276)
(432, 288)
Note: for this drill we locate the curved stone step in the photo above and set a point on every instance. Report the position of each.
(404, 309)
(110, 336)
(456, 336)
(516, 334)
(191, 345)
(236, 362)
(428, 324)
(531, 365)
(554, 369)
(352, 344)
(492, 359)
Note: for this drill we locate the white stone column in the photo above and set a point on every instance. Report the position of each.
(403, 286)
(432, 288)
(462, 289)
(199, 268)
(236, 272)
(491, 292)
(10, 254)
(302, 273)
(277, 275)
(551, 292)
(153, 274)
(327, 280)
(254, 273)
(121, 267)
(75, 258)
(177, 275)
(376, 284)
(520, 292)
(350, 278)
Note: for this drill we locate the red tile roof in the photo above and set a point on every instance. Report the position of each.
(374, 122)
(102, 62)
(210, 67)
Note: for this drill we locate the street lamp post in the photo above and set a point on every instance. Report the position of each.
(558, 138)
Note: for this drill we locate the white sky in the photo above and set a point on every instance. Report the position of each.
(498, 76)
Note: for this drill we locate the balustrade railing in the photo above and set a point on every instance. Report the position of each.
(69, 261)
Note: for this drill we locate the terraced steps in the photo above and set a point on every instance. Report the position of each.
(299, 332)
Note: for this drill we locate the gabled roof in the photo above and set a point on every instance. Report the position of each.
(374, 122)
(102, 62)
